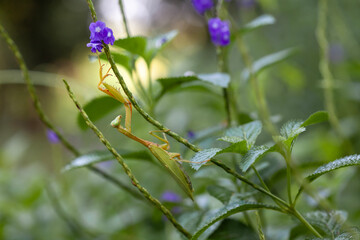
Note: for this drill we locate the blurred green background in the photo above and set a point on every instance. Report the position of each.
(52, 37)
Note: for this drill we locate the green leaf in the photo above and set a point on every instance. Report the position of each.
(156, 44)
(204, 82)
(353, 160)
(231, 229)
(189, 220)
(201, 157)
(317, 117)
(252, 156)
(134, 45)
(199, 86)
(172, 82)
(102, 156)
(120, 59)
(248, 132)
(218, 79)
(258, 22)
(292, 129)
(238, 147)
(329, 223)
(231, 139)
(229, 210)
(98, 108)
(268, 61)
(351, 234)
(220, 193)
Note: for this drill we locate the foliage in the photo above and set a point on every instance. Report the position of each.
(236, 170)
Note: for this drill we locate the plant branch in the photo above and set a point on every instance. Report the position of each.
(281, 203)
(127, 170)
(160, 126)
(74, 227)
(223, 68)
(45, 120)
(325, 68)
(126, 26)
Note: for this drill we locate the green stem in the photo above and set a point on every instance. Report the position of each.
(306, 223)
(126, 26)
(138, 81)
(223, 68)
(150, 85)
(133, 59)
(74, 227)
(259, 177)
(325, 68)
(259, 228)
(288, 175)
(180, 139)
(276, 199)
(259, 96)
(328, 80)
(288, 180)
(45, 120)
(281, 203)
(127, 170)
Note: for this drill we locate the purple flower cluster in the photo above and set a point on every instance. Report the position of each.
(52, 136)
(98, 33)
(169, 196)
(219, 31)
(201, 6)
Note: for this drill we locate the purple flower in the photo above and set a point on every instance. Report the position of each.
(96, 30)
(336, 53)
(190, 134)
(219, 31)
(52, 136)
(201, 6)
(170, 197)
(247, 3)
(100, 33)
(95, 46)
(108, 36)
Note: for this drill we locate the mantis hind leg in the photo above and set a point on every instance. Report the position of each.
(164, 146)
(177, 157)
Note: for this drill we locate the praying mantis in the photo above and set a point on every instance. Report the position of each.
(169, 160)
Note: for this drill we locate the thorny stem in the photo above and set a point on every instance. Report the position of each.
(45, 120)
(127, 170)
(124, 18)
